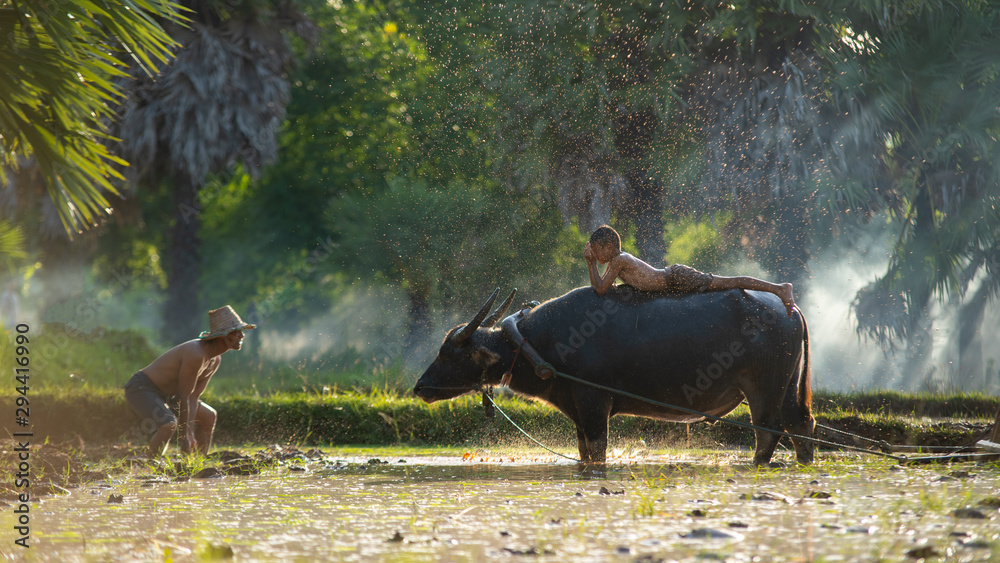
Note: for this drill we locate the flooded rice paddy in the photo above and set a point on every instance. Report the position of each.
(410, 505)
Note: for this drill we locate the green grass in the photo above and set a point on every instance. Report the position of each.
(380, 417)
(63, 358)
(918, 404)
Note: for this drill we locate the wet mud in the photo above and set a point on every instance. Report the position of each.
(279, 504)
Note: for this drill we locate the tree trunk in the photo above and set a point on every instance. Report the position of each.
(919, 346)
(183, 315)
(971, 372)
(634, 134)
(420, 318)
(647, 214)
(919, 340)
(787, 251)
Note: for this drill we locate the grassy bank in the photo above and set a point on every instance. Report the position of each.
(63, 357)
(386, 418)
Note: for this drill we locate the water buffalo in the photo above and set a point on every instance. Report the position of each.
(707, 352)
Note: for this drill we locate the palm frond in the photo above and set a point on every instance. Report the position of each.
(56, 77)
(219, 102)
(11, 243)
(882, 315)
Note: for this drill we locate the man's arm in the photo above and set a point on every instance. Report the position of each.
(187, 385)
(199, 388)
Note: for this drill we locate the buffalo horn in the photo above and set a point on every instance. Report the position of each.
(492, 319)
(467, 330)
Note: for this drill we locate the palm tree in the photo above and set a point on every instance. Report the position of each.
(57, 64)
(219, 104)
(928, 77)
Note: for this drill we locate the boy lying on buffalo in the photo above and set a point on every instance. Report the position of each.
(605, 247)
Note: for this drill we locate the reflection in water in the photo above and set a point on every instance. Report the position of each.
(447, 508)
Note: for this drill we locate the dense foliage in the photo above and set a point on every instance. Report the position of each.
(443, 148)
(57, 69)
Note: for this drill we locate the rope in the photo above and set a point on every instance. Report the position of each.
(887, 447)
(550, 450)
(734, 422)
(505, 380)
(900, 459)
(882, 444)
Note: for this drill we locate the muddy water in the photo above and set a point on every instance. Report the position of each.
(417, 507)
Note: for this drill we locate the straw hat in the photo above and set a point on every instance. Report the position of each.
(223, 321)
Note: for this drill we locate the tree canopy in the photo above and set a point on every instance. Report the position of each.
(57, 90)
(443, 147)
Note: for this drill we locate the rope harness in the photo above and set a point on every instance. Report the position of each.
(545, 370)
(525, 432)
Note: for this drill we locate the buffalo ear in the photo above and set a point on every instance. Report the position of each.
(484, 358)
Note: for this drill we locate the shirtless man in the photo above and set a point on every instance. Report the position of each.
(166, 394)
(605, 248)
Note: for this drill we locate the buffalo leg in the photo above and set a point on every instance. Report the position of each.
(765, 414)
(592, 443)
(804, 449)
(798, 419)
(592, 413)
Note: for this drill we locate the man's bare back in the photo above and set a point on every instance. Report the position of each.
(194, 358)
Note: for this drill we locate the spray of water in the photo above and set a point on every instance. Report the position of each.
(841, 360)
(369, 323)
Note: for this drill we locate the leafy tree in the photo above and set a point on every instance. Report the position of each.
(372, 118)
(350, 124)
(448, 245)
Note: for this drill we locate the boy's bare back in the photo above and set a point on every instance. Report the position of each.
(624, 266)
(637, 273)
(605, 248)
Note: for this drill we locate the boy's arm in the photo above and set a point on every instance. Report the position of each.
(602, 284)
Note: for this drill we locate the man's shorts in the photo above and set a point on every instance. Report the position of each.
(685, 279)
(152, 405)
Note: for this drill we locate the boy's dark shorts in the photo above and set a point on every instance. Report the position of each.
(685, 279)
(147, 400)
